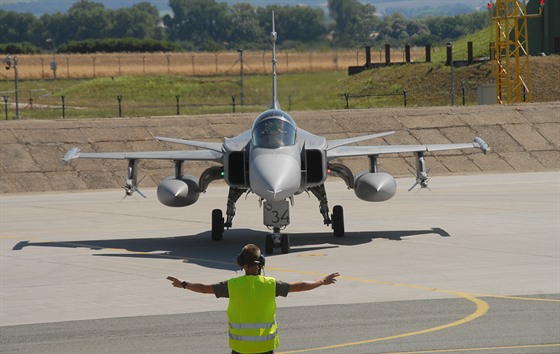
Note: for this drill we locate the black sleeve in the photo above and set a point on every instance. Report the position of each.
(282, 288)
(221, 289)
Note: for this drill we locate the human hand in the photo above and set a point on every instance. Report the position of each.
(178, 283)
(330, 279)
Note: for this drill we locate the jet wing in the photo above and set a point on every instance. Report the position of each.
(333, 144)
(218, 147)
(183, 155)
(352, 151)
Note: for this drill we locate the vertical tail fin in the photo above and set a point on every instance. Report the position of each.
(273, 36)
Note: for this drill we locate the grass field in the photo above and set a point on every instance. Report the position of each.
(157, 94)
(200, 83)
(427, 84)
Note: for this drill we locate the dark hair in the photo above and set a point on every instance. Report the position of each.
(250, 255)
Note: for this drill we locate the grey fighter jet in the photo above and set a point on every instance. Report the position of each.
(275, 160)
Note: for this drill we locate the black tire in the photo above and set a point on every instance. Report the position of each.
(338, 221)
(217, 225)
(285, 243)
(269, 245)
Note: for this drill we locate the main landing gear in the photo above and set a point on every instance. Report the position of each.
(336, 219)
(217, 225)
(218, 222)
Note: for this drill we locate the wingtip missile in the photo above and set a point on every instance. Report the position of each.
(72, 154)
(481, 144)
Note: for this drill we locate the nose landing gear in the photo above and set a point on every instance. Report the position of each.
(277, 240)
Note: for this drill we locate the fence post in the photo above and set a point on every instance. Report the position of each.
(177, 100)
(6, 106)
(405, 96)
(387, 54)
(346, 98)
(463, 92)
(119, 97)
(407, 53)
(233, 103)
(428, 53)
(63, 107)
(290, 101)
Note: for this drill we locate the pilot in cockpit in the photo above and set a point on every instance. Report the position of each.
(274, 133)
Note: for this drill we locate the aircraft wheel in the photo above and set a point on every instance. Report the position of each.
(217, 225)
(338, 221)
(269, 245)
(285, 243)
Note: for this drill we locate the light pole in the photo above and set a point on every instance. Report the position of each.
(450, 57)
(13, 63)
(50, 41)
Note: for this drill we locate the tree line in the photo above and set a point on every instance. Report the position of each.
(209, 25)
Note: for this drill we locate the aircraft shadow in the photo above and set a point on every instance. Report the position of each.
(201, 250)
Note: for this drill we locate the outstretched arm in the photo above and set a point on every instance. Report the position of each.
(196, 287)
(310, 285)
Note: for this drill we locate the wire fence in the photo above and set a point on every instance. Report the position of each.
(119, 106)
(53, 105)
(84, 66)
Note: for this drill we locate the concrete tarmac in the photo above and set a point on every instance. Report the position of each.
(416, 326)
(91, 255)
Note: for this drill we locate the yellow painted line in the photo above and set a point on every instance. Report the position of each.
(481, 309)
(7, 237)
(530, 346)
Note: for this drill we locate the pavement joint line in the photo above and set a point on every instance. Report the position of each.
(528, 346)
(520, 298)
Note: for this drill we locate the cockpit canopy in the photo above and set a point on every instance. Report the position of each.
(273, 129)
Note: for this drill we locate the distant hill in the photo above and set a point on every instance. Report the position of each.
(409, 8)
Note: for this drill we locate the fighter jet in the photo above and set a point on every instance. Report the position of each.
(276, 161)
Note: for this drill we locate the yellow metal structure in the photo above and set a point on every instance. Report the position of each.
(509, 50)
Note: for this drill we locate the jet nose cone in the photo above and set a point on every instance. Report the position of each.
(274, 177)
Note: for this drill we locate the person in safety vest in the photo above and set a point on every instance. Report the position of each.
(252, 302)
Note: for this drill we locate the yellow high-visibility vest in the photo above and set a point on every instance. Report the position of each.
(251, 312)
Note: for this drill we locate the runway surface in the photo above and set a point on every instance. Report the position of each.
(472, 265)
